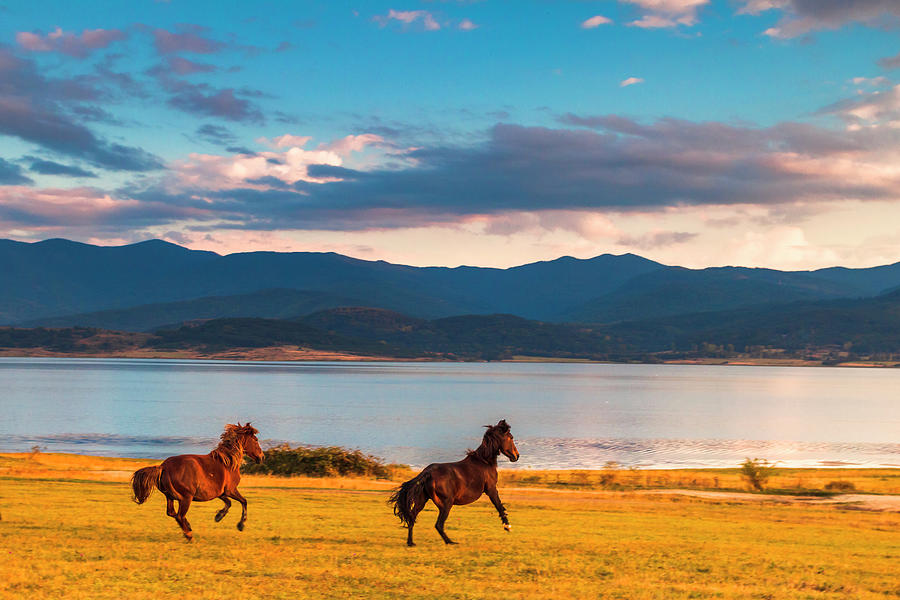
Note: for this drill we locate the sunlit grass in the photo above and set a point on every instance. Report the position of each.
(86, 539)
(794, 481)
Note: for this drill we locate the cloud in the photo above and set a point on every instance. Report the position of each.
(77, 46)
(11, 174)
(353, 143)
(656, 239)
(870, 81)
(202, 98)
(288, 163)
(666, 13)
(52, 211)
(517, 177)
(801, 17)
(889, 62)
(186, 38)
(467, 25)
(39, 110)
(205, 101)
(630, 81)
(215, 134)
(869, 109)
(49, 167)
(285, 141)
(408, 17)
(615, 165)
(595, 21)
(183, 66)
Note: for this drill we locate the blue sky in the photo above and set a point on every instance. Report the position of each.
(696, 132)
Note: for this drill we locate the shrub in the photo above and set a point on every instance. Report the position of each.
(840, 486)
(756, 472)
(610, 473)
(332, 461)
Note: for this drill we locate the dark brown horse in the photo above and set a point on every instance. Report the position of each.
(461, 482)
(201, 477)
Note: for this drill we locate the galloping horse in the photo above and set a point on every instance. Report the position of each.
(201, 477)
(461, 482)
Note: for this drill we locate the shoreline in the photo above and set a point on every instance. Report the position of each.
(866, 489)
(294, 354)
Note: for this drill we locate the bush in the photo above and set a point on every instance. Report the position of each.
(756, 472)
(840, 486)
(332, 461)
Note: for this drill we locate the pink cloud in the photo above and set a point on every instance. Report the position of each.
(288, 163)
(630, 81)
(666, 13)
(408, 17)
(285, 141)
(55, 210)
(467, 25)
(595, 21)
(188, 39)
(353, 143)
(77, 46)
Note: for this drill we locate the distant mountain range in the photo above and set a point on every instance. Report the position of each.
(153, 284)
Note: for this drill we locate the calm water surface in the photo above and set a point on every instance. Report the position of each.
(563, 415)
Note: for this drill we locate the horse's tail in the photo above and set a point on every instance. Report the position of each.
(143, 481)
(408, 495)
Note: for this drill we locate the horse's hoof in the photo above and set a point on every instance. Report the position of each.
(507, 527)
(219, 517)
(189, 537)
(451, 542)
(410, 544)
(240, 526)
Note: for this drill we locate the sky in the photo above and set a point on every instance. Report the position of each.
(762, 133)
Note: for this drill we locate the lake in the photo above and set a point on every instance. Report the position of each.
(563, 415)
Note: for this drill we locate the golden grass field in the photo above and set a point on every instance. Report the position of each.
(70, 530)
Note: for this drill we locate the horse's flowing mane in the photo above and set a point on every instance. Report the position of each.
(230, 451)
(489, 449)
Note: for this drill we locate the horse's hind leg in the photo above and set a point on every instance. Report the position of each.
(237, 496)
(414, 512)
(221, 514)
(170, 506)
(184, 503)
(444, 510)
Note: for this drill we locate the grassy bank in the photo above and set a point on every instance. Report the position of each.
(782, 481)
(71, 531)
(790, 481)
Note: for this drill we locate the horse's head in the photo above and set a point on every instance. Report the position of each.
(503, 440)
(246, 437)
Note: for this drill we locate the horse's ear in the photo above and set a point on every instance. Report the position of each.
(503, 426)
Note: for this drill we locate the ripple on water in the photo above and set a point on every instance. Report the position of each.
(537, 453)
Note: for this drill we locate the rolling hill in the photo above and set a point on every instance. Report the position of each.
(144, 286)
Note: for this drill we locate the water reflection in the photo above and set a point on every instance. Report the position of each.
(563, 415)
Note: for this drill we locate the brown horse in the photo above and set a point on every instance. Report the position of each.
(461, 482)
(201, 477)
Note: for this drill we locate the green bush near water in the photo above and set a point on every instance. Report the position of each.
(331, 461)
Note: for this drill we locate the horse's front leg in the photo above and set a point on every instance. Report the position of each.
(224, 511)
(492, 493)
(237, 496)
